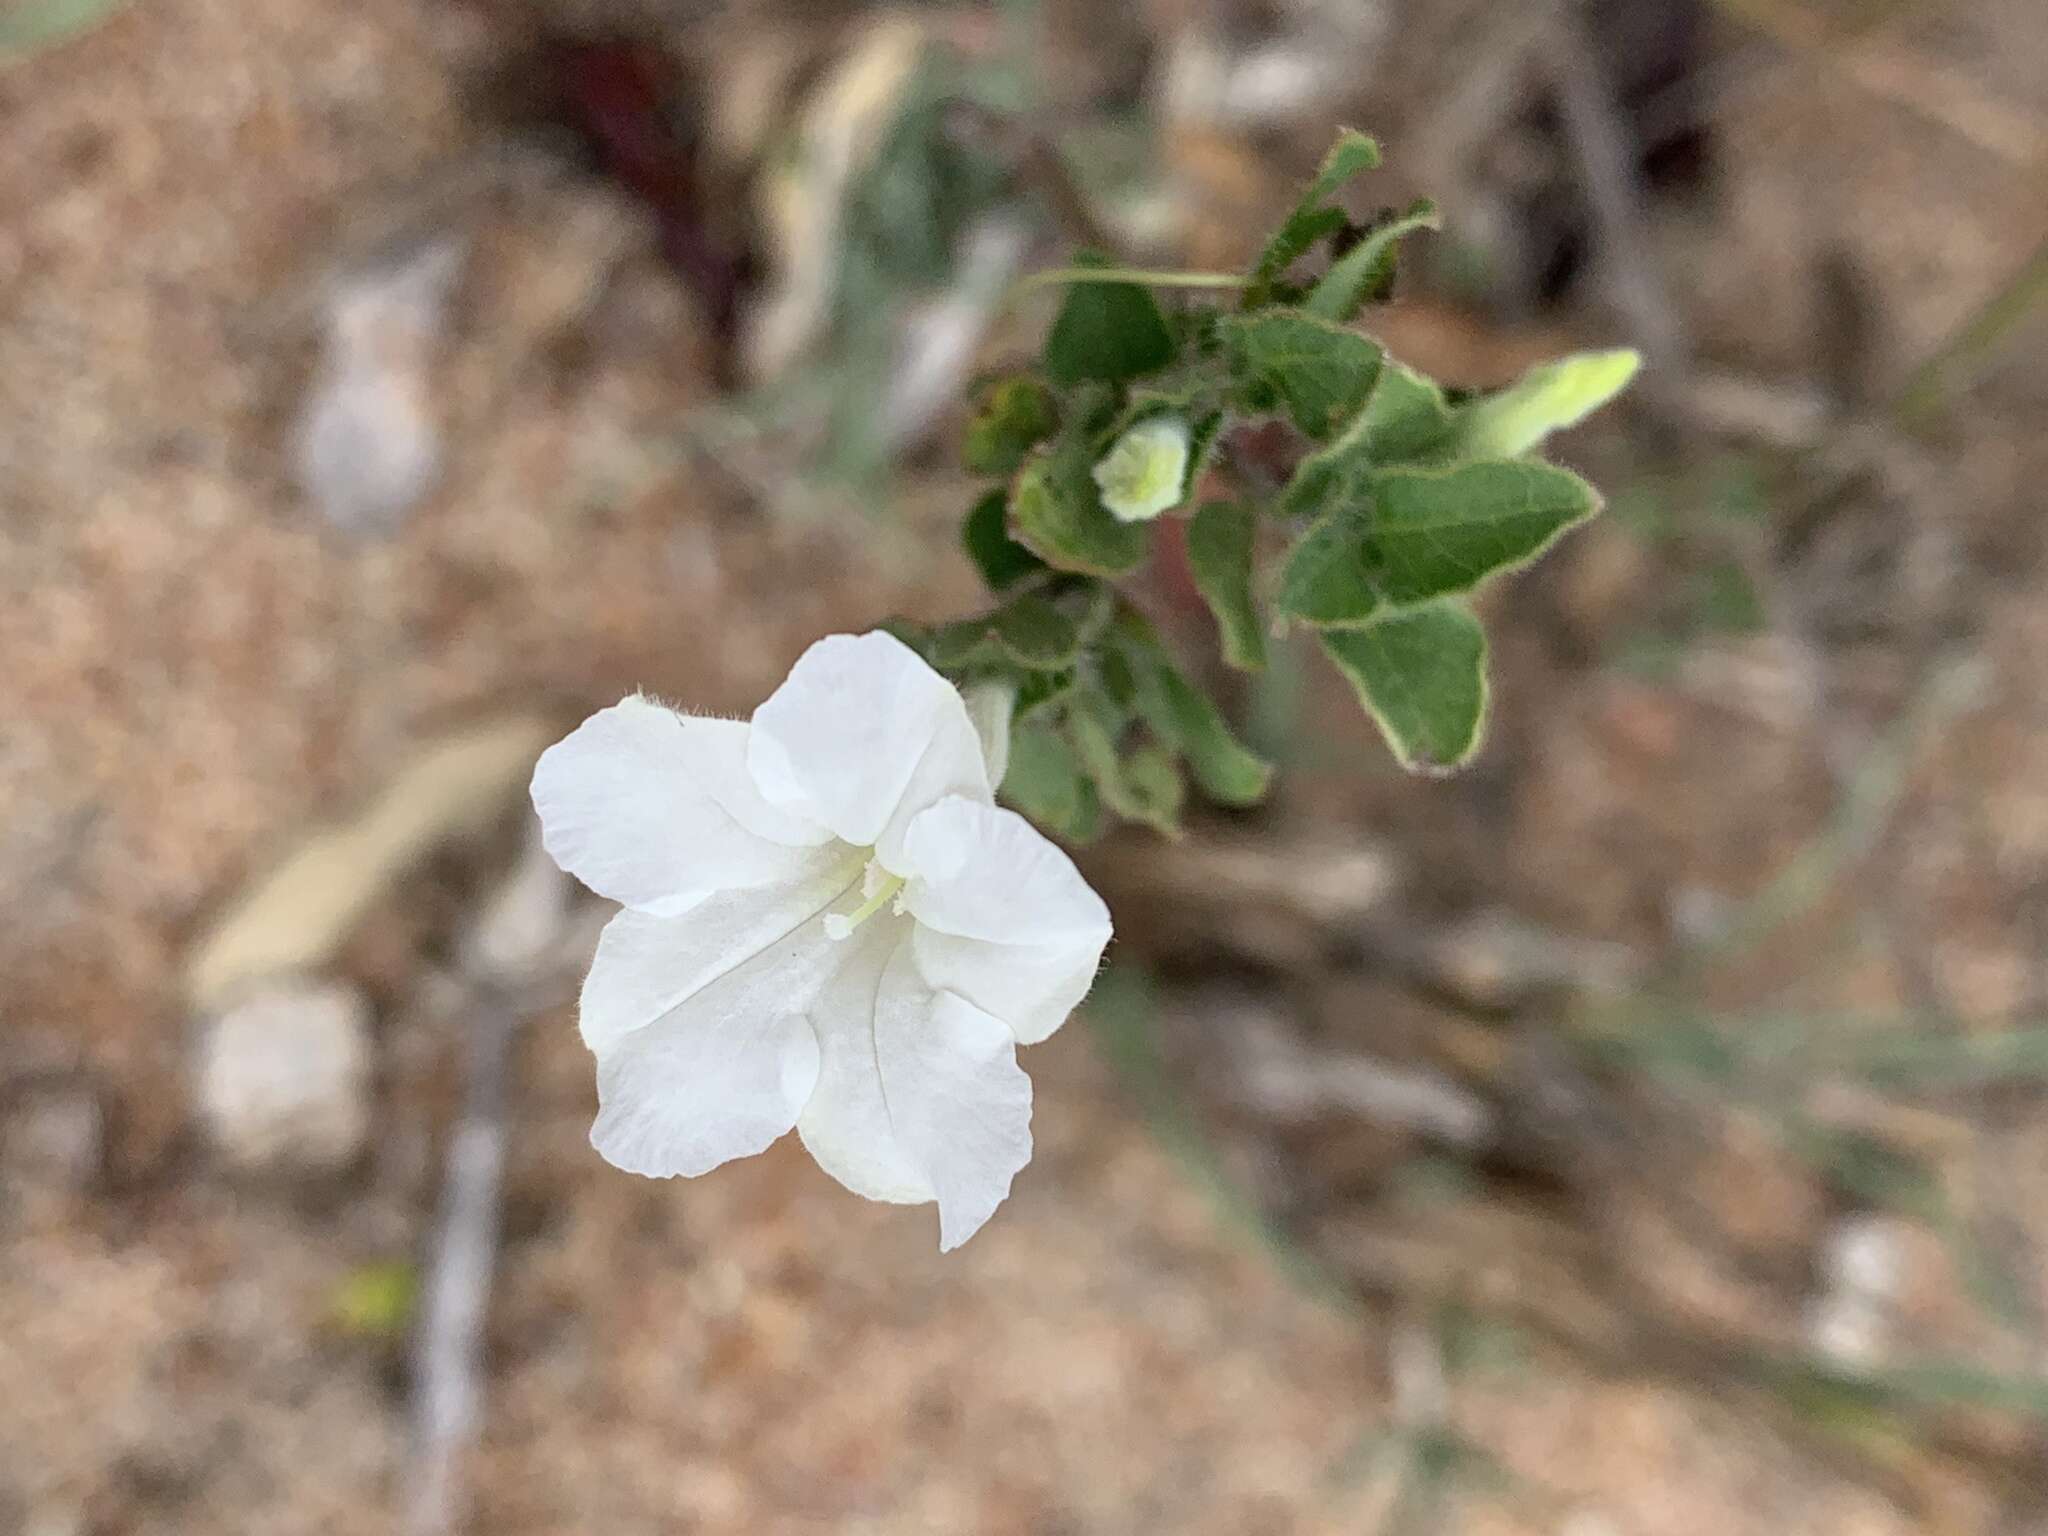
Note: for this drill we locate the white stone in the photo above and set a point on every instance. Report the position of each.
(284, 1077)
(366, 445)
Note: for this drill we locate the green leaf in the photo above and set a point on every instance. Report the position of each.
(1118, 686)
(1107, 331)
(1046, 782)
(1142, 785)
(1436, 532)
(1324, 373)
(1002, 561)
(1406, 421)
(1547, 399)
(1186, 720)
(1203, 431)
(1311, 220)
(1151, 790)
(1058, 514)
(1035, 634)
(1220, 556)
(1422, 676)
(1324, 582)
(1039, 691)
(1363, 273)
(1400, 536)
(1325, 480)
(1027, 631)
(1303, 232)
(1015, 416)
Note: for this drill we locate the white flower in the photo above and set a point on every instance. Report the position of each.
(1143, 474)
(829, 924)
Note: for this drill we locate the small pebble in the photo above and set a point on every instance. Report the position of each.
(367, 446)
(1862, 1270)
(284, 1078)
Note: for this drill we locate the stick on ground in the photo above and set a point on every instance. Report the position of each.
(448, 1349)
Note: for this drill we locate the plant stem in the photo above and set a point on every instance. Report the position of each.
(1149, 277)
(1994, 319)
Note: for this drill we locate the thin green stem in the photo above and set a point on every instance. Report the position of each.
(1145, 276)
(1992, 322)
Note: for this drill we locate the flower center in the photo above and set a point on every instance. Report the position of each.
(879, 886)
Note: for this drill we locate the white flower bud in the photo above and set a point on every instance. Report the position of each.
(1143, 475)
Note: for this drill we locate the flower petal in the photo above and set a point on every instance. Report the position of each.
(702, 1089)
(959, 1102)
(1032, 988)
(1004, 917)
(846, 1126)
(919, 1093)
(700, 1023)
(862, 736)
(648, 965)
(655, 809)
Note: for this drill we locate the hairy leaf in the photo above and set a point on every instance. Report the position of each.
(1362, 273)
(1407, 420)
(1151, 789)
(1203, 431)
(1045, 781)
(1422, 676)
(1038, 692)
(1187, 720)
(1027, 631)
(1323, 373)
(1142, 784)
(1057, 512)
(1107, 331)
(1325, 582)
(1436, 532)
(1002, 561)
(1311, 219)
(1220, 556)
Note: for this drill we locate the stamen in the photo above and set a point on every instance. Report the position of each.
(839, 925)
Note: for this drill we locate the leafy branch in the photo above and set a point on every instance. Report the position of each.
(1404, 501)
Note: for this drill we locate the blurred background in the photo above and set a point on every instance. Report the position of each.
(1642, 1132)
